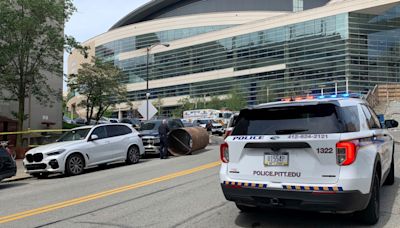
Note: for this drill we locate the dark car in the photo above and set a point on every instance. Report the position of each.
(134, 122)
(8, 167)
(150, 137)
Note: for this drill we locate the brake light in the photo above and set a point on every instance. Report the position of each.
(227, 133)
(224, 152)
(346, 153)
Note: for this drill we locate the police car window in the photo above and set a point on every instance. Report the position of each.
(100, 132)
(370, 120)
(375, 117)
(311, 119)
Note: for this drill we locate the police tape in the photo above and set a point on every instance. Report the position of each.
(33, 131)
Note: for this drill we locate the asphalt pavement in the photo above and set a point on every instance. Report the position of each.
(178, 192)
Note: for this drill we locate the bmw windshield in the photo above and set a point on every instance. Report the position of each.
(74, 135)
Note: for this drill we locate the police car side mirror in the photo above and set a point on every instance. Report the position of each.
(391, 123)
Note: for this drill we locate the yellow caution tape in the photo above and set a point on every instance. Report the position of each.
(33, 131)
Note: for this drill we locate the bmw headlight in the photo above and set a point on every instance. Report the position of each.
(56, 152)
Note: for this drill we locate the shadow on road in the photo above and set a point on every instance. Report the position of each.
(293, 218)
(97, 169)
(5, 185)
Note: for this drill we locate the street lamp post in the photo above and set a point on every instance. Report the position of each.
(148, 49)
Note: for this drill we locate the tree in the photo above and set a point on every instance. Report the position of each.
(31, 47)
(235, 101)
(100, 84)
(215, 103)
(158, 104)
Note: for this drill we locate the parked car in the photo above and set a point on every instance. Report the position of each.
(80, 121)
(85, 147)
(231, 125)
(68, 120)
(186, 123)
(105, 120)
(216, 129)
(150, 136)
(8, 167)
(136, 123)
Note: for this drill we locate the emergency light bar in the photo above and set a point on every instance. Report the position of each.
(310, 97)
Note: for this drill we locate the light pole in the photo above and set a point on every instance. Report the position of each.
(148, 49)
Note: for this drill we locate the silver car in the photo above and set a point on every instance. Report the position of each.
(85, 147)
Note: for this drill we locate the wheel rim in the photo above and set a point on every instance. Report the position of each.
(75, 165)
(133, 155)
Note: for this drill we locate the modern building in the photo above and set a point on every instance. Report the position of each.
(263, 49)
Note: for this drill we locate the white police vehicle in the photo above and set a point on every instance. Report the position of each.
(330, 155)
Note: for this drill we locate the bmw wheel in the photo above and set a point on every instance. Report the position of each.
(133, 155)
(74, 165)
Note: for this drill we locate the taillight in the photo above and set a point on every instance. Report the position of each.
(346, 153)
(227, 133)
(224, 152)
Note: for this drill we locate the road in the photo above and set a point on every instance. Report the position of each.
(178, 192)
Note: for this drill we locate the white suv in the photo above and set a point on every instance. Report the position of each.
(85, 147)
(329, 155)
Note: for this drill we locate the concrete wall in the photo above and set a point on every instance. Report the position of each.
(39, 113)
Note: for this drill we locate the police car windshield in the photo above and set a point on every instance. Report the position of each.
(311, 119)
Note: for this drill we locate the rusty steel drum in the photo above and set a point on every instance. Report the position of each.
(184, 141)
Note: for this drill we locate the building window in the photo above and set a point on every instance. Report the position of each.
(298, 5)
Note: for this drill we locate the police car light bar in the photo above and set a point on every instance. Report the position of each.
(310, 97)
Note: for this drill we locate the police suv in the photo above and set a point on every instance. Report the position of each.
(330, 155)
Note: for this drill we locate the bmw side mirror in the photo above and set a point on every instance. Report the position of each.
(93, 137)
(391, 123)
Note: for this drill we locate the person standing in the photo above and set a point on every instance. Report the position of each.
(163, 131)
(209, 127)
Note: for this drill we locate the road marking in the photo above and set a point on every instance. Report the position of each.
(72, 202)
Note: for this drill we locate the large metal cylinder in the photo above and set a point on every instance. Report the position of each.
(184, 141)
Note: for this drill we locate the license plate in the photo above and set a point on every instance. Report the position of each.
(276, 159)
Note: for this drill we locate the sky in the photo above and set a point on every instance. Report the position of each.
(94, 17)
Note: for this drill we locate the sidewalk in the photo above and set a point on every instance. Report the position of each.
(21, 175)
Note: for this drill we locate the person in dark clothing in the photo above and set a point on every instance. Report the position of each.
(163, 131)
(209, 130)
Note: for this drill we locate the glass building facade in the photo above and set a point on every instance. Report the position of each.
(363, 49)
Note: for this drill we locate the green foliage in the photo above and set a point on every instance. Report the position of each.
(100, 84)
(69, 126)
(236, 100)
(31, 50)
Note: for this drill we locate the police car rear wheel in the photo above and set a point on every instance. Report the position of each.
(370, 215)
(245, 209)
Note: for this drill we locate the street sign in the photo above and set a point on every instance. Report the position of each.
(143, 110)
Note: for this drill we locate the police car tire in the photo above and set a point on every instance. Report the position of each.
(245, 209)
(370, 215)
(390, 178)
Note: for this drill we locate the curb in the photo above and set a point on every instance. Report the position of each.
(10, 180)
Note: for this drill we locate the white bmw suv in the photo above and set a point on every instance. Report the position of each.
(330, 155)
(85, 147)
